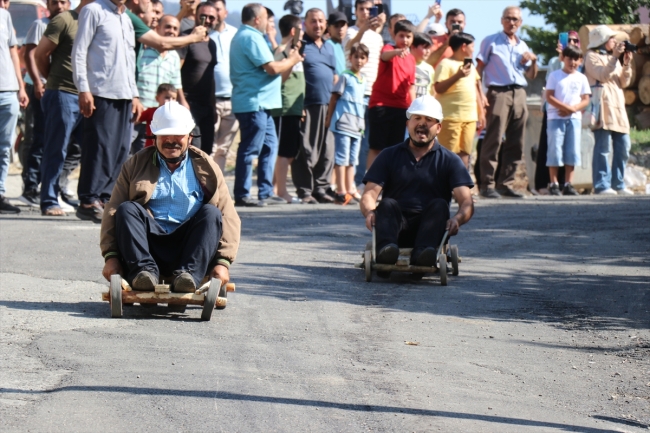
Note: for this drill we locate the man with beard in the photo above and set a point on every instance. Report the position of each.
(170, 212)
(417, 178)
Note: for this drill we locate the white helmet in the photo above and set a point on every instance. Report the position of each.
(172, 119)
(425, 105)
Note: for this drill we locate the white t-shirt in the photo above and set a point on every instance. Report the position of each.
(569, 89)
(375, 43)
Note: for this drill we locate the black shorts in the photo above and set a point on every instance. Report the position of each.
(387, 127)
(289, 135)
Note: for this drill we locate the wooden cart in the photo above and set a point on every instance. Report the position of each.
(211, 294)
(446, 254)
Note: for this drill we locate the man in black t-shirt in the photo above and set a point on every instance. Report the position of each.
(197, 76)
(417, 178)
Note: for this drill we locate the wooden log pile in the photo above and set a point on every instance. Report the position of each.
(637, 94)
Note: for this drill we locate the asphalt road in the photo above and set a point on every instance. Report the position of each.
(546, 329)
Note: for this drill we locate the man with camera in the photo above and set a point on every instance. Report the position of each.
(455, 23)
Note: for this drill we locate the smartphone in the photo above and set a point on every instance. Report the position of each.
(438, 2)
(296, 37)
(564, 39)
(374, 11)
(380, 9)
(455, 26)
(468, 61)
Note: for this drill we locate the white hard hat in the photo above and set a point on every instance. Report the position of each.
(425, 105)
(435, 29)
(172, 119)
(599, 35)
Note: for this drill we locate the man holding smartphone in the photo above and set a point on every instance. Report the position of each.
(455, 23)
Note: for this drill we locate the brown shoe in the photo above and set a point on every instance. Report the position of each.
(91, 212)
(183, 283)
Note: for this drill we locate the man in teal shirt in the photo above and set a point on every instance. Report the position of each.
(256, 90)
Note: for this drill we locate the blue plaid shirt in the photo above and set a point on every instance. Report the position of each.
(177, 197)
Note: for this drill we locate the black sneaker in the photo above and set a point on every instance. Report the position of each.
(247, 202)
(183, 282)
(342, 199)
(323, 198)
(490, 193)
(569, 190)
(30, 198)
(6, 207)
(424, 257)
(388, 255)
(554, 189)
(309, 200)
(69, 199)
(510, 193)
(144, 281)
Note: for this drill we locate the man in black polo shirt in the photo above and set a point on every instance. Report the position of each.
(417, 178)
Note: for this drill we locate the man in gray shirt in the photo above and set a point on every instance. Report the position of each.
(12, 94)
(103, 66)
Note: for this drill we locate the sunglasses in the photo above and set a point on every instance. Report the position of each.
(513, 19)
(574, 40)
(207, 17)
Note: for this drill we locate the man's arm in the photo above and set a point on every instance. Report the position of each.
(434, 10)
(369, 203)
(444, 85)
(330, 109)
(42, 54)
(372, 23)
(434, 57)
(465, 210)
(32, 70)
(23, 100)
(531, 72)
(279, 66)
(166, 43)
(182, 100)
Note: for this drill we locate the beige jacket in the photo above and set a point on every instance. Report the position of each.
(137, 182)
(614, 77)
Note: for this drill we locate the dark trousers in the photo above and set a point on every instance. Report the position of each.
(144, 246)
(106, 143)
(34, 126)
(204, 117)
(506, 115)
(311, 171)
(138, 138)
(72, 159)
(416, 230)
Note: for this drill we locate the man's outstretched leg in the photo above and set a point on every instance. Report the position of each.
(432, 226)
(388, 224)
(132, 228)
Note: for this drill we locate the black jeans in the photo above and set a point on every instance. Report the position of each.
(204, 117)
(144, 246)
(34, 129)
(416, 230)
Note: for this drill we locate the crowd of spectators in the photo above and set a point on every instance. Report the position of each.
(321, 101)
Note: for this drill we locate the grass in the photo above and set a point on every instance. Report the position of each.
(640, 139)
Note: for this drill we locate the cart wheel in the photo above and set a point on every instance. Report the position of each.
(453, 252)
(223, 293)
(368, 246)
(116, 296)
(367, 265)
(210, 299)
(442, 269)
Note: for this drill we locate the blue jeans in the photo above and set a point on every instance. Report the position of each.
(258, 140)
(63, 118)
(563, 142)
(363, 153)
(601, 172)
(347, 150)
(9, 110)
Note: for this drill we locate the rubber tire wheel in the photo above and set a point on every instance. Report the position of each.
(453, 253)
(368, 246)
(116, 296)
(223, 293)
(442, 269)
(210, 299)
(367, 265)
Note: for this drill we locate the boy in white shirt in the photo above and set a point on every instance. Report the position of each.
(567, 94)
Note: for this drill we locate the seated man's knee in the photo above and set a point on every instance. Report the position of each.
(127, 209)
(210, 212)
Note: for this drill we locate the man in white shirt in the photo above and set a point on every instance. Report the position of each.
(226, 126)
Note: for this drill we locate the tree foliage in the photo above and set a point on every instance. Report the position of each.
(567, 15)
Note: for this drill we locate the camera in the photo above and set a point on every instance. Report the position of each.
(630, 47)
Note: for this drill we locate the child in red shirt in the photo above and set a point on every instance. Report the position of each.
(392, 93)
(165, 92)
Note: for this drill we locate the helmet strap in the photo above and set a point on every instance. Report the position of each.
(176, 160)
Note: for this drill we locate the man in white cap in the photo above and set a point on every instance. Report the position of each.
(417, 178)
(170, 213)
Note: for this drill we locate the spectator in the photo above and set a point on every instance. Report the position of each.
(455, 85)
(158, 12)
(424, 73)
(63, 129)
(197, 75)
(271, 32)
(391, 24)
(256, 90)
(365, 31)
(346, 110)
(337, 28)
(12, 95)
(392, 93)
(312, 169)
(187, 13)
(288, 119)
(455, 23)
(155, 68)
(603, 68)
(506, 62)
(34, 118)
(567, 93)
(105, 42)
(227, 125)
(166, 92)
(147, 16)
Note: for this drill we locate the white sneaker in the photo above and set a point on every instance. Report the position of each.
(65, 207)
(607, 191)
(625, 191)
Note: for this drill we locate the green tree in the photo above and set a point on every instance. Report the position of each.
(565, 15)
